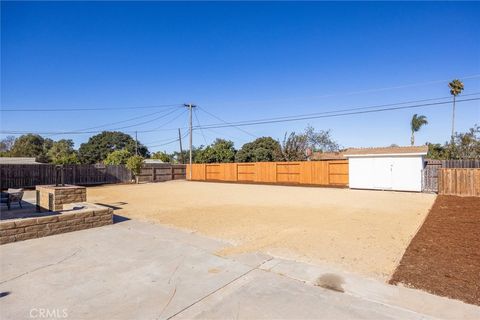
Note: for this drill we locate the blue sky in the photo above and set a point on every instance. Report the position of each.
(239, 61)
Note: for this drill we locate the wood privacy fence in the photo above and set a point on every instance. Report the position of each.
(28, 176)
(459, 182)
(430, 173)
(325, 173)
(161, 172)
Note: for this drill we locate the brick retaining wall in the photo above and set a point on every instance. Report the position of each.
(77, 216)
(52, 198)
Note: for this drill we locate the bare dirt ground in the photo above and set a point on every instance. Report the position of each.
(361, 231)
(444, 257)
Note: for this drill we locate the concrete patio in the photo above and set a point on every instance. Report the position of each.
(139, 270)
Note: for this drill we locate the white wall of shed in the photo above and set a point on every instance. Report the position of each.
(401, 173)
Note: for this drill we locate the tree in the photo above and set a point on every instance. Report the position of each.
(31, 145)
(218, 152)
(162, 156)
(7, 143)
(184, 156)
(134, 164)
(117, 157)
(62, 152)
(456, 87)
(415, 125)
(320, 141)
(99, 146)
(294, 147)
(260, 150)
(437, 151)
(465, 145)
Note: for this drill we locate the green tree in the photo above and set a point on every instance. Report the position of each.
(162, 156)
(31, 145)
(465, 145)
(456, 87)
(218, 152)
(415, 125)
(62, 152)
(99, 146)
(134, 164)
(437, 151)
(260, 150)
(117, 157)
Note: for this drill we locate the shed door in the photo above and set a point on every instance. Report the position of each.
(383, 173)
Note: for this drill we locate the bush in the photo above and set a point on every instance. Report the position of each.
(134, 164)
(118, 157)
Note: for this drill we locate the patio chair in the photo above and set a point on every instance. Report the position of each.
(11, 196)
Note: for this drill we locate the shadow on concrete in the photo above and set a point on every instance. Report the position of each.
(119, 219)
(114, 206)
(4, 294)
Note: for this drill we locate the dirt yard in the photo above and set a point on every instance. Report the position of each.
(362, 231)
(444, 256)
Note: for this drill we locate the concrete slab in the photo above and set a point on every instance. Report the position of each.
(137, 270)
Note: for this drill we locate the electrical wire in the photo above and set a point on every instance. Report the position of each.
(66, 109)
(258, 122)
(326, 114)
(218, 118)
(201, 130)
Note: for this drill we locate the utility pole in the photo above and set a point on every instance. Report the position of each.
(190, 106)
(136, 144)
(181, 150)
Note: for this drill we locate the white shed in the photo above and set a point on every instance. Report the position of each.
(391, 168)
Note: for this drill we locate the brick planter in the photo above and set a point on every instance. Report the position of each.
(78, 216)
(52, 198)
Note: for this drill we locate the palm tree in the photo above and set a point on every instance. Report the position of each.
(416, 123)
(456, 87)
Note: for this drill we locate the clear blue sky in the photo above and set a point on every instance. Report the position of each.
(240, 61)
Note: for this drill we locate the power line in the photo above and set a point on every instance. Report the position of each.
(267, 121)
(342, 94)
(160, 127)
(218, 118)
(224, 124)
(201, 130)
(167, 143)
(118, 122)
(359, 108)
(72, 109)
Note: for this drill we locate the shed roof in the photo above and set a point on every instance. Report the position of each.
(417, 150)
(327, 156)
(17, 160)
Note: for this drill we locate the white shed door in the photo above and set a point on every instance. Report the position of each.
(383, 173)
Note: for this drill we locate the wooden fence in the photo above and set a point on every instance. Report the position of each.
(324, 173)
(459, 182)
(161, 172)
(28, 176)
(430, 172)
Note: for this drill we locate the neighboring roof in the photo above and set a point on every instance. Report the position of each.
(17, 160)
(152, 161)
(327, 156)
(409, 150)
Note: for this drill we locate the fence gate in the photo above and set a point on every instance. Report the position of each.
(430, 179)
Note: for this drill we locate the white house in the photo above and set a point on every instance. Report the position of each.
(390, 168)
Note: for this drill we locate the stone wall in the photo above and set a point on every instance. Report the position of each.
(77, 216)
(52, 198)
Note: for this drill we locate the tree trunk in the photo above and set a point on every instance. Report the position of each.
(412, 138)
(453, 119)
